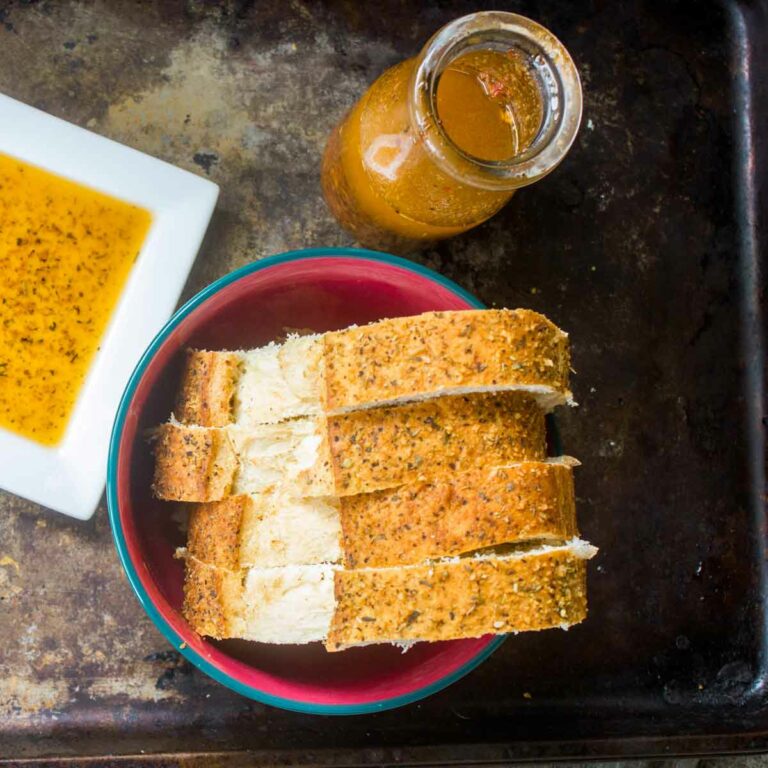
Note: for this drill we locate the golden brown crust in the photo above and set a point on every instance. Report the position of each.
(208, 388)
(385, 447)
(369, 450)
(214, 531)
(205, 604)
(412, 356)
(193, 464)
(529, 502)
(464, 598)
(476, 509)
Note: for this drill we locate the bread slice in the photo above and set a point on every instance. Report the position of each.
(465, 597)
(524, 503)
(193, 464)
(351, 453)
(289, 605)
(474, 510)
(209, 464)
(391, 361)
(440, 353)
(207, 388)
(448, 599)
(259, 386)
(265, 530)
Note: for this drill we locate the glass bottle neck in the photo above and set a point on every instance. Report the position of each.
(543, 63)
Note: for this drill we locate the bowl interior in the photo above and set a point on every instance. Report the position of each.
(317, 294)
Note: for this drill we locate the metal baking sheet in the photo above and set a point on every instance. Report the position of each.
(646, 244)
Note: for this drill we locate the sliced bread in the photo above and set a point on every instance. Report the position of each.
(447, 599)
(441, 353)
(265, 530)
(524, 503)
(386, 362)
(474, 510)
(350, 453)
(459, 598)
(289, 605)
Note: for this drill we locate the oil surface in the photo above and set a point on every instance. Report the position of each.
(489, 104)
(65, 253)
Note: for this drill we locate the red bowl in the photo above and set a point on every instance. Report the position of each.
(319, 289)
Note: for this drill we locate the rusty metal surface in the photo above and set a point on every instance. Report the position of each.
(635, 245)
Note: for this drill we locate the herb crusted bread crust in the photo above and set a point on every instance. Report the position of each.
(212, 597)
(439, 352)
(385, 447)
(207, 388)
(214, 532)
(193, 464)
(468, 597)
(532, 501)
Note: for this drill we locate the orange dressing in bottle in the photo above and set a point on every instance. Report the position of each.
(398, 174)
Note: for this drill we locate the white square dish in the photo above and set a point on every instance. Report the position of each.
(70, 476)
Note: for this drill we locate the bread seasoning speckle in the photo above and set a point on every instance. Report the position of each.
(65, 254)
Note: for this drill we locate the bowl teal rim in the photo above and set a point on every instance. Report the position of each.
(117, 531)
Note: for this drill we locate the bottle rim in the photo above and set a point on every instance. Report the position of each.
(557, 74)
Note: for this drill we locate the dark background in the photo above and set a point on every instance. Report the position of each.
(643, 245)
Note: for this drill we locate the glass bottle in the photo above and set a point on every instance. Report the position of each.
(440, 142)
